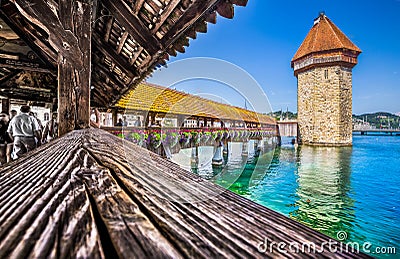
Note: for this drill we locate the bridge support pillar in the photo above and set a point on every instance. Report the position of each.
(257, 147)
(167, 151)
(225, 150)
(278, 140)
(194, 158)
(245, 148)
(217, 158)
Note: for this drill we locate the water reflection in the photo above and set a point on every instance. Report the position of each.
(354, 189)
(239, 172)
(323, 192)
(310, 184)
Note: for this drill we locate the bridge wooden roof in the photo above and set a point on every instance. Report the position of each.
(322, 37)
(129, 40)
(149, 97)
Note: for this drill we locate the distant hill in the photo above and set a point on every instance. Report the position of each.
(379, 119)
(290, 115)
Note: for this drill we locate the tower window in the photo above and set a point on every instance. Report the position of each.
(326, 73)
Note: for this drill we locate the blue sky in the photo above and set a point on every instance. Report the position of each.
(263, 37)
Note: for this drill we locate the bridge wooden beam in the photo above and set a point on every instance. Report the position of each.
(74, 73)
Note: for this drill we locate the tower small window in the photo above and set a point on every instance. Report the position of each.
(326, 73)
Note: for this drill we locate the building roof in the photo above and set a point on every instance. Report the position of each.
(149, 97)
(324, 36)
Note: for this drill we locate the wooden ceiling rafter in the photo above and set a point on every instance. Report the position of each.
(109, 24)
(117, 82)
(137, 6)
(121, 11)
(63, 41)
(194, 13)
(28, 68)
(165, 14)
(98, 100)
(26, 94)
(130, 39)
(121, 44)
(45, 53)
(10, 75)
(112, 54)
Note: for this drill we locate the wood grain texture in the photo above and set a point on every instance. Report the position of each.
(90, 194)
(74, 81)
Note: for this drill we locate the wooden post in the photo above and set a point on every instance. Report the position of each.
(146, 119)
(153, 119)
(114, 117)
(70, 35)
(5, 105)
(74, 81)
(180, 120)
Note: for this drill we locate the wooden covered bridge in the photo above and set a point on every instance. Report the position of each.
(89, 194)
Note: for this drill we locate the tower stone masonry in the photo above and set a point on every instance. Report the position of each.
(323, 67)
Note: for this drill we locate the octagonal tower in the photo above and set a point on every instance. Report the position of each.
(323, 67)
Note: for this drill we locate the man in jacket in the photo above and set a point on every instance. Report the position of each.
(23, 129)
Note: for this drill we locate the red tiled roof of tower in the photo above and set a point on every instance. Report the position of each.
(324, 36)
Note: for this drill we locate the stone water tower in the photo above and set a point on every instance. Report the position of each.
(323, 67)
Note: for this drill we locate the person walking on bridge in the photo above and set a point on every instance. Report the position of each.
(23, 129)
(51, 129)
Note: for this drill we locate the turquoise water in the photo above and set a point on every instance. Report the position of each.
(351, 189)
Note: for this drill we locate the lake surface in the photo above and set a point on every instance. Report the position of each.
(352, 190)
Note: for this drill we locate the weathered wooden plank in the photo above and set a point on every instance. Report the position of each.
(98, 196)
(51, 210)
(21, 65)
(153, 182)
(133, 234)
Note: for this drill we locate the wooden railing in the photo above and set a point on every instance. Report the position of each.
(90, 194)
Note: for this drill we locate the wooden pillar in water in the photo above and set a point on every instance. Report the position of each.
(245, 148)
(217, 159)
(225, 150)
(194, 158)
